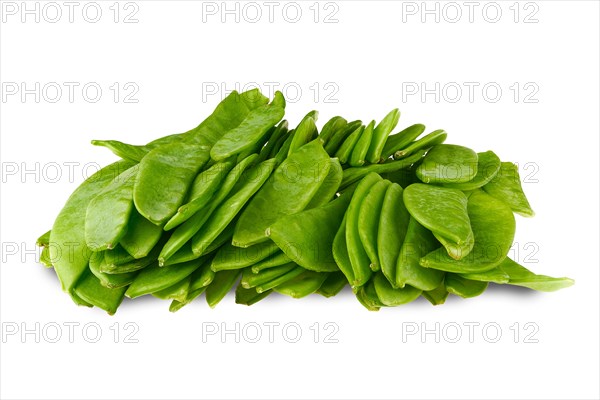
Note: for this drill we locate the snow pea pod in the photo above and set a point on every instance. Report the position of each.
(43, 240)
(448, 163)
(393, 297)
(334, 284)
(280, 280)
(426, 142)
(331, 127)
(345, 150)
(380, 134)
(418, 242)
(306, 283)
(305, 132)
(109, 280)
(340, 252)
(506, 186)
(330, 185)
(493, 226)
(338, 137)
(187, 254)
(68, 251)
(436, 296)
(202, 277)
(256, 146)
(367, 296)
(249, 296)
(401, 140)
(463, 287)
(164, 177)
(154, 278)
(521, 276)
(284, 150)
(275, 260)
(126, 151)
(191, 296)
(291, 188)
(251, 279)
(369, 215)
(391, 231)
(45, 257)
(177, 291)
(455, 250)
(232, 257)
(488, 165)
(220, 286)
(278, 133)
(141, 236)
(495, 275)
(360, 150)
(118, 262)
(90, 290)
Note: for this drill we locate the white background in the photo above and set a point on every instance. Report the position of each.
(367, 62)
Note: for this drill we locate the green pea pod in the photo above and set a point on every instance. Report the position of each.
(178, 291)
(256, 146)
(45, 257)
(125, 151)
(330, 185)
(493, 226)
(284, 150)
(356, 251)
(334, 284)
(367, 296)
(114, 264)
(391, 231)
(91, 291)
(355, 174)
(521, 276)
(68, 251)
(401, 140)
(256, 124)
(278, 133)
(455, 250)
(360, 150)
(43, 240)
(495, 275)
(279, 144)
(220, 286)
(465, 288)
(488, 165)
(249, 296)
(380, 134)
(332, 126)
(448, 163)
(436, 296)
(426, 142)
(278, 100)
(164, 177)
(277, 259)
(141, 236)
(227, 211)
(338, 137)
(293, 185)
(280, 280)
(307, 237)
(187, 254)
(109, 280)
(506, 186)
(251, 279)
(154, 278)
(232, 257)
(191, 296)
(306, 283)
(306, 131)
(202, 277)
(118, 256)
(340, 252)
(345, 150)
(393, 297)
(369, 214)
(418, 242)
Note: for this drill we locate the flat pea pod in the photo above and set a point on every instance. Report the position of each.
(125, 151)
(251, 279)
(441, 210)
(177, 305)
(358, 256)
(178, 291)
(506, 186)
(465, 288)
(202, 277)
(521, 276)
(340, 252)
(369, 215)
(118, 256)
(488, 165)
(154, 278)
(330, 185)
(436, 296)
(284, 150)
(91, 291)
(306, 283)
(109, 280)
(220, 286)
(232, 257)
(345, 150)
(249, 297)
(280, 280)
(278, 133)
(401, 140)
(380, 134)
(45, 257)
(306, 131)
(392, 297)
(307, 237)
(332, 126)
(493, 226)
(333, 284)
(391, 231)
(141, 236)
(338, 137)
(164, 177)
(367, 296)
(495, 275)
(228, 210)
(455, 250)
(275, 260)
(43, 240)
(68, 251)
(249, 131)
(360, 150)
(418, 242)
(289, 191)
(116, 200)
(448, 163)
(110, 266)
(426, 142)
(256, 146)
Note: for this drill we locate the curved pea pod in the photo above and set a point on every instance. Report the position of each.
(333, 284)
(426, 142)
(401, 140)
(278, 133)
(43, 240)
(488, 165)
(125, 151)
(305, 132)
(455, 250)
(249, 296)
(108, 213)
(187, 254)
(393, 297)
(251, 279)
(355, 174)
(360, 150)
(345, 150)
(164, 177)
(293, 185)
(109, 280)
(154, 278)
(506, 186)
(288, 276)
(306, 283)
(418, 242)
(332, 126)
(436, 296)
(284, 149)
(232, 257)
(68, 251)
(338, 137)
(330, 185)
(463, 287)
(307, 237)
(177, 305)
(220, 286)
(256, 124)
(369, 215)
(45, 257)
(340, 252)
(495, 275)
(367, 296)
(118, 261)
(202, 277)
(448, 163)
(178, 291)
(441, 210)
(380, 134)
(275, 260)
(493, 226)
(521, 276)
(356, 251)
(279, 144)
(141, 236)
(90, 290)
(391, 231)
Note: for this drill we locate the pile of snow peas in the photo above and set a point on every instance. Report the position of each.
(243, 200)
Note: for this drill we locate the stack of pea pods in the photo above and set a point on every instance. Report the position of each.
(244, 200)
